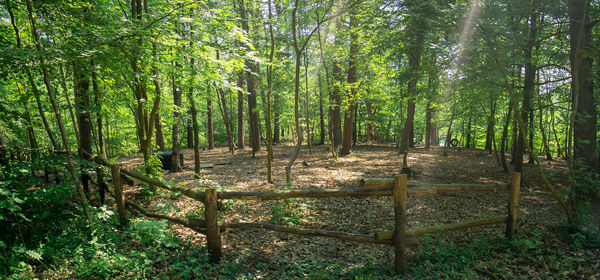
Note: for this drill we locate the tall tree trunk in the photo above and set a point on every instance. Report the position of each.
(209, 118)
(298, 52)
(189, 131)
(352, 79)
(558, 151)
(469, 127)
(414, 64)
(276, 117)
(428, 116)
(251, 86)
(69, 104)
(196, 136)
(84, 119)
(584, 133)
(504, 136)
(160, 139)
(32, 85)
(330, 92)
(268, 131)
(490, 125)
(176, 140)
(529, 82)
(321, 116)
(241, 130)
(306, 103)
(98, 104)
(334, 98)
(224, 113)
(65, 140)
(546, 147)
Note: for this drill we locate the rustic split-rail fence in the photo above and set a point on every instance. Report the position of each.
(398, 188)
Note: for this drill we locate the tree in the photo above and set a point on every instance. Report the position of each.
(584, 110)
(352, 83)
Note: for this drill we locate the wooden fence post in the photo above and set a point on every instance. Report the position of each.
(122, 210)
(513, 203)
(213, 238)
(399, 194)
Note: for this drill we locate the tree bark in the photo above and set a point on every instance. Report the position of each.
(160, 139)
(65, 140)
(98, 104)
(584, 134)
(352, 79)
(240, 112)
(298, 52)
(69, 104)
(176, 140)
(32, 84)
(268, 131)
(251, 86)
(334, 98)
(195, 128)
(209, 118)
(307, 103)
(503, 141)
(84, 120)
(529, 82)
(414, 64)
(428, 116)
(321, 116)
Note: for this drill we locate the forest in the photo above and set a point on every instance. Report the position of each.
(299, 139)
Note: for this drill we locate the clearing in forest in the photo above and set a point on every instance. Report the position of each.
(241, 172)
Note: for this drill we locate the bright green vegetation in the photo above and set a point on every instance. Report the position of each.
(81, 79)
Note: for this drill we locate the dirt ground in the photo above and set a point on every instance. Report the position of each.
(318, 169)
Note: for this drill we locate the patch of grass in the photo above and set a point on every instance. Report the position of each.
(288, 211)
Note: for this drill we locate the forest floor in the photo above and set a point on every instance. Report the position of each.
(264, 253)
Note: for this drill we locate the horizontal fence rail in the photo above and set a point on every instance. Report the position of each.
(398, 187)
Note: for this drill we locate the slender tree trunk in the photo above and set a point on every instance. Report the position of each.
(189, 132)
(469, 127)
(269, 94)
(298, 52)
(84, 119)
(529, 82)
(504, 136)
(240, 113)
(331, 113)
(160, 139)
(69, 104)
(352, 79)
(546, 147)
(276, 128)
(225, 114)
(321, 116)
(335, 99)
(414, 64)
(558, 151)
(196, 137)
(175, 165)
(490, 125)
(65, 140)
(428, 116)
(251, 86)
(306, 103)
(98, 103)
(209, 118)
(32, 84)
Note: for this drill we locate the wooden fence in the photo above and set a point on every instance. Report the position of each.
(398, 187)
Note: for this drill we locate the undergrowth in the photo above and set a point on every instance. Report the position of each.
(43, 235)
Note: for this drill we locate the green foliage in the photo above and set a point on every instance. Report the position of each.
(585, 189)
(288, 211)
